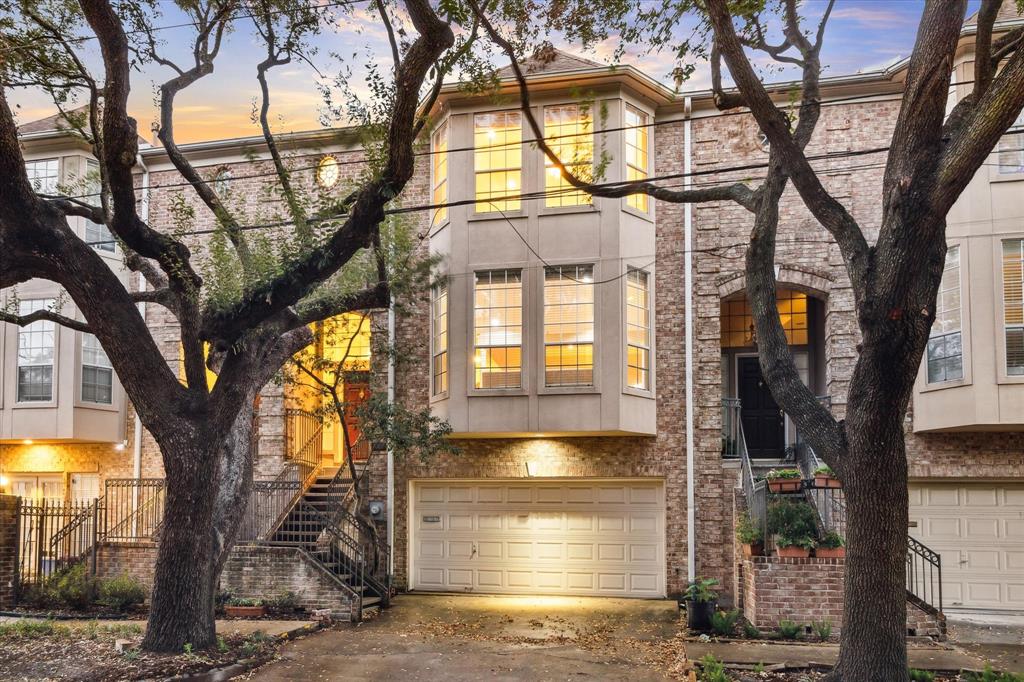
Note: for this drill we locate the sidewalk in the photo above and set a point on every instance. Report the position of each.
(803, 655)
(271, 628)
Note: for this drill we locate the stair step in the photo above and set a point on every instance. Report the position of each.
(370, 601)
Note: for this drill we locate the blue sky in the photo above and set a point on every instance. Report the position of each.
(862, 35)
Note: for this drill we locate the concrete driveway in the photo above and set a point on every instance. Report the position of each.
(472, 637)
(997, 638)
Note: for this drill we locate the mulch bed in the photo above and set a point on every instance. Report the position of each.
(87, 652)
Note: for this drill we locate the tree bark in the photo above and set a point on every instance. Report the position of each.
(873, 637)
(181, 609)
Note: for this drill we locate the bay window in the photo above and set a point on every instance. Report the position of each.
(945, 344)
(439, 174)
(1010, 151)
(638, 330)
(35, 354)
(43, 175)
(97, 372)
(439, 339)
(498, 160)
(498, 329)
(96, 234)
(568, 130)
(569, 325)
(1013, 305)
(637, 159)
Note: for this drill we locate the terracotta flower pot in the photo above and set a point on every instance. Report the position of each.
(793, 552)
(826, 481)
(245, 611)
(830, 552)
(753, 549)
(784, 485)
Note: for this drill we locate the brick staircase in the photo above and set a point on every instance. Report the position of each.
(341, 543)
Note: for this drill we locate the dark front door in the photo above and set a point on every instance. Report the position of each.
(762, 418)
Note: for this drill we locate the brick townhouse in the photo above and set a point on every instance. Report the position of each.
(594, 356)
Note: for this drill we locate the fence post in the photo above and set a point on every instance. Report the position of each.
(40, 534)
(95, 533)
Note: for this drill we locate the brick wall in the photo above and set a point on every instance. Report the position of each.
(250, 572)
(8, 550)
(805, 591)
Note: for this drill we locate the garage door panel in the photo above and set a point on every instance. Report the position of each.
(978, 531)
(573, 537)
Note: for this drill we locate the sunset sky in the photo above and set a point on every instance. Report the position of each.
(862, 35)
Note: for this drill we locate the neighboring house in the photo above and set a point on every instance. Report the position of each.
(595, 356)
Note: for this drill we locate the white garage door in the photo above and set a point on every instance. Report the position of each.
(547, 537)
(978, 529)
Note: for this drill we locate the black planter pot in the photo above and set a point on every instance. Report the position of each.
(698, 614)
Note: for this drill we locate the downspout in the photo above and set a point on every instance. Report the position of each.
(391, 451)
(691, 558)
(137, 440)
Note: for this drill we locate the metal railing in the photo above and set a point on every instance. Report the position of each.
(924, 574)
(732, 428)
(52, 535)
(304, 441)
(269, 503)
(132, 509)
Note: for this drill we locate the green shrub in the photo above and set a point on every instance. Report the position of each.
(724, 622)
(990, 675)
(33, 629)
(750, 630)
(831, 540)
(747, 532)
(824, 470)
(712, 670)
(702, 590)
(285, 601)
(121, 592)
(921, 675)
(794, 522)
(789, 629)
(822, 628)
(245, 602)
(788, 474)
(74, 587)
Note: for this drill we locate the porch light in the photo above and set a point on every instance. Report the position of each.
(3, 481)
(27, 441)
(119, 446)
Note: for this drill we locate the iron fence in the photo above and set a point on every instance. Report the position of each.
(52, 535)
(269, 503)
(732, 428)
(132, 509)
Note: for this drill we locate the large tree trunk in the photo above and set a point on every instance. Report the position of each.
(181, 611)
(873, 638)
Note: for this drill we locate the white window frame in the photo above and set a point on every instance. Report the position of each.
(648, 327)
(946, 336)
(594, 368)
(645, 127)
(504, 272)
(1004, 375)
(40, 326)
(586, 201)
(49, 187)
(483, 207)
(97, 235)
(1013, 141)
(438, 293)
(99, 357)
(440, 187)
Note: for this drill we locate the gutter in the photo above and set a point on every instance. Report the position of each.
(691, 559)
(137, 440)
(391, 450)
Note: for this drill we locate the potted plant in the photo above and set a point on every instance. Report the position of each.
(794, 525)
(749, 536)
(830, 546)
(784, 480)
(701, 600)
(245, 608)
(824, 477)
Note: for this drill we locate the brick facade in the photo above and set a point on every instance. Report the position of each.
(8, 550)
(250, 572)
(807, 591)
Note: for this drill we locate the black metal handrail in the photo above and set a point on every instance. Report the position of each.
(924, 573)
(132, 509)
(304, 441)
(732, 428)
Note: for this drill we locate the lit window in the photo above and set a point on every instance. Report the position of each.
(1013, 305)
(345, 340)
(945, 345)
(570, 134)
(439, 178)
(97, 372)
(638, 330)
(738, 320)
(43, 175)
(439, 331)
(328, 172)
(498, 160)
(35, 354)
(569, 325)
(96, 234)
(1011, 148)
(498, 329)
(637, 163)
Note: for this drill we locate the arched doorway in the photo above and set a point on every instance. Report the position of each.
(767, 430)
